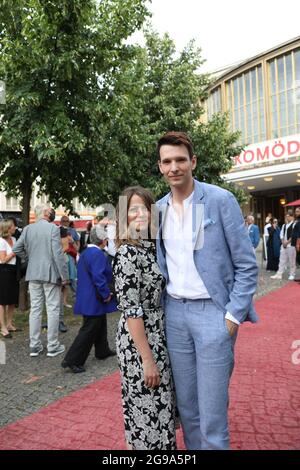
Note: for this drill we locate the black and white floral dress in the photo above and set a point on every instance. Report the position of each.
(149, 414)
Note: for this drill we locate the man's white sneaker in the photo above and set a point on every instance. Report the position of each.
(34, 352)
(276, 276)
(291, 278)
(55, 352)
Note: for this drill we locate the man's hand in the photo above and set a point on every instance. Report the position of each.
(232, 327)
(108, 299)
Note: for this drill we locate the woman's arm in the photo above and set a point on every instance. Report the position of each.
(137, 332)
(4, 258)
(128, 276)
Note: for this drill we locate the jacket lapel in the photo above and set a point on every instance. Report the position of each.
(198, 216)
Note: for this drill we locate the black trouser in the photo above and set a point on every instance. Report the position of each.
(92, 332)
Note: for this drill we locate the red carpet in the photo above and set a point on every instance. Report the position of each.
(264, 394)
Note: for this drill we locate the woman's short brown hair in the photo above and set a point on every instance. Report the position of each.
(4, 228)
(122, 233)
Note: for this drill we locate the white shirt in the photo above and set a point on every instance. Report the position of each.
(111, 233)
(90, 245)
(4, 246)
(283, 236)
(184, 279)
(266, 229)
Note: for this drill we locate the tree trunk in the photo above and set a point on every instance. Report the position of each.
(26, 197)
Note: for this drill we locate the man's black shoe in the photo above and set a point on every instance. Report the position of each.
(77, 369)
(110, 353)
(62, 327)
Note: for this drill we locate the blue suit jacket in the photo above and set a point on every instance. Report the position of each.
(95, 273)
(254, 235)
(223, 253)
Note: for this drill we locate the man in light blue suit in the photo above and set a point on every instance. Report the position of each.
(253, 231)
(207, 259)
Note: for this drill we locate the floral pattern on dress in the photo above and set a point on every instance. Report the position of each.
(149, 414)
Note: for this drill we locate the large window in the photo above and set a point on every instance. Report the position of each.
(245, 101)
(284, 85)
(214, 102)
(11, 204)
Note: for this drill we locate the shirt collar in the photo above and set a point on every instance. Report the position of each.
(90, 245)
(186, 201)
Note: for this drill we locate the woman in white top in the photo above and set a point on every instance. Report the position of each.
(9, 288)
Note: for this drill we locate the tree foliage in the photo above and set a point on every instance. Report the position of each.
(84, 108)
(53, 57)
(160, 90)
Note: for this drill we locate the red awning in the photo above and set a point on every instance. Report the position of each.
(294, 203)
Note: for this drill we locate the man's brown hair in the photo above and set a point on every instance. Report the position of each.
(175, 138)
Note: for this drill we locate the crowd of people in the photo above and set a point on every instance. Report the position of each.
(282, 250)
(181, 272)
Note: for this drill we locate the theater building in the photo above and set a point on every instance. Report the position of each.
(262, 97)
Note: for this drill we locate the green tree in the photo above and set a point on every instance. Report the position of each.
(159, 90)
(57, 60)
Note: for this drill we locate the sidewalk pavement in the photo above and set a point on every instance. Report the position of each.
(264, 393)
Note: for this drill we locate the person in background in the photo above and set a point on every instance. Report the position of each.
(74, 234)
(65, 222)
(267, 223)
(287, 251)
(273, 246)
(16, 232)
(9, 286)
(93, 301)
(295, 242)
(85, 236)
(46, 273)
(110, 227)
(253, 231)
(71, 250)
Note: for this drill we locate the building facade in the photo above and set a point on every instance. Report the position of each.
(10, 206)
(262, 97)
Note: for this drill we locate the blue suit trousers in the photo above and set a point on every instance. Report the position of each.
(202, 358)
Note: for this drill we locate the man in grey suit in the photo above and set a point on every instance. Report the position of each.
(46, 272)
(207, 259)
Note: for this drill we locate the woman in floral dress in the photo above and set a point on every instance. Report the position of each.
(147, 387)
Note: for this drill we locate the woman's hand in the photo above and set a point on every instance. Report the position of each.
(151, 373)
